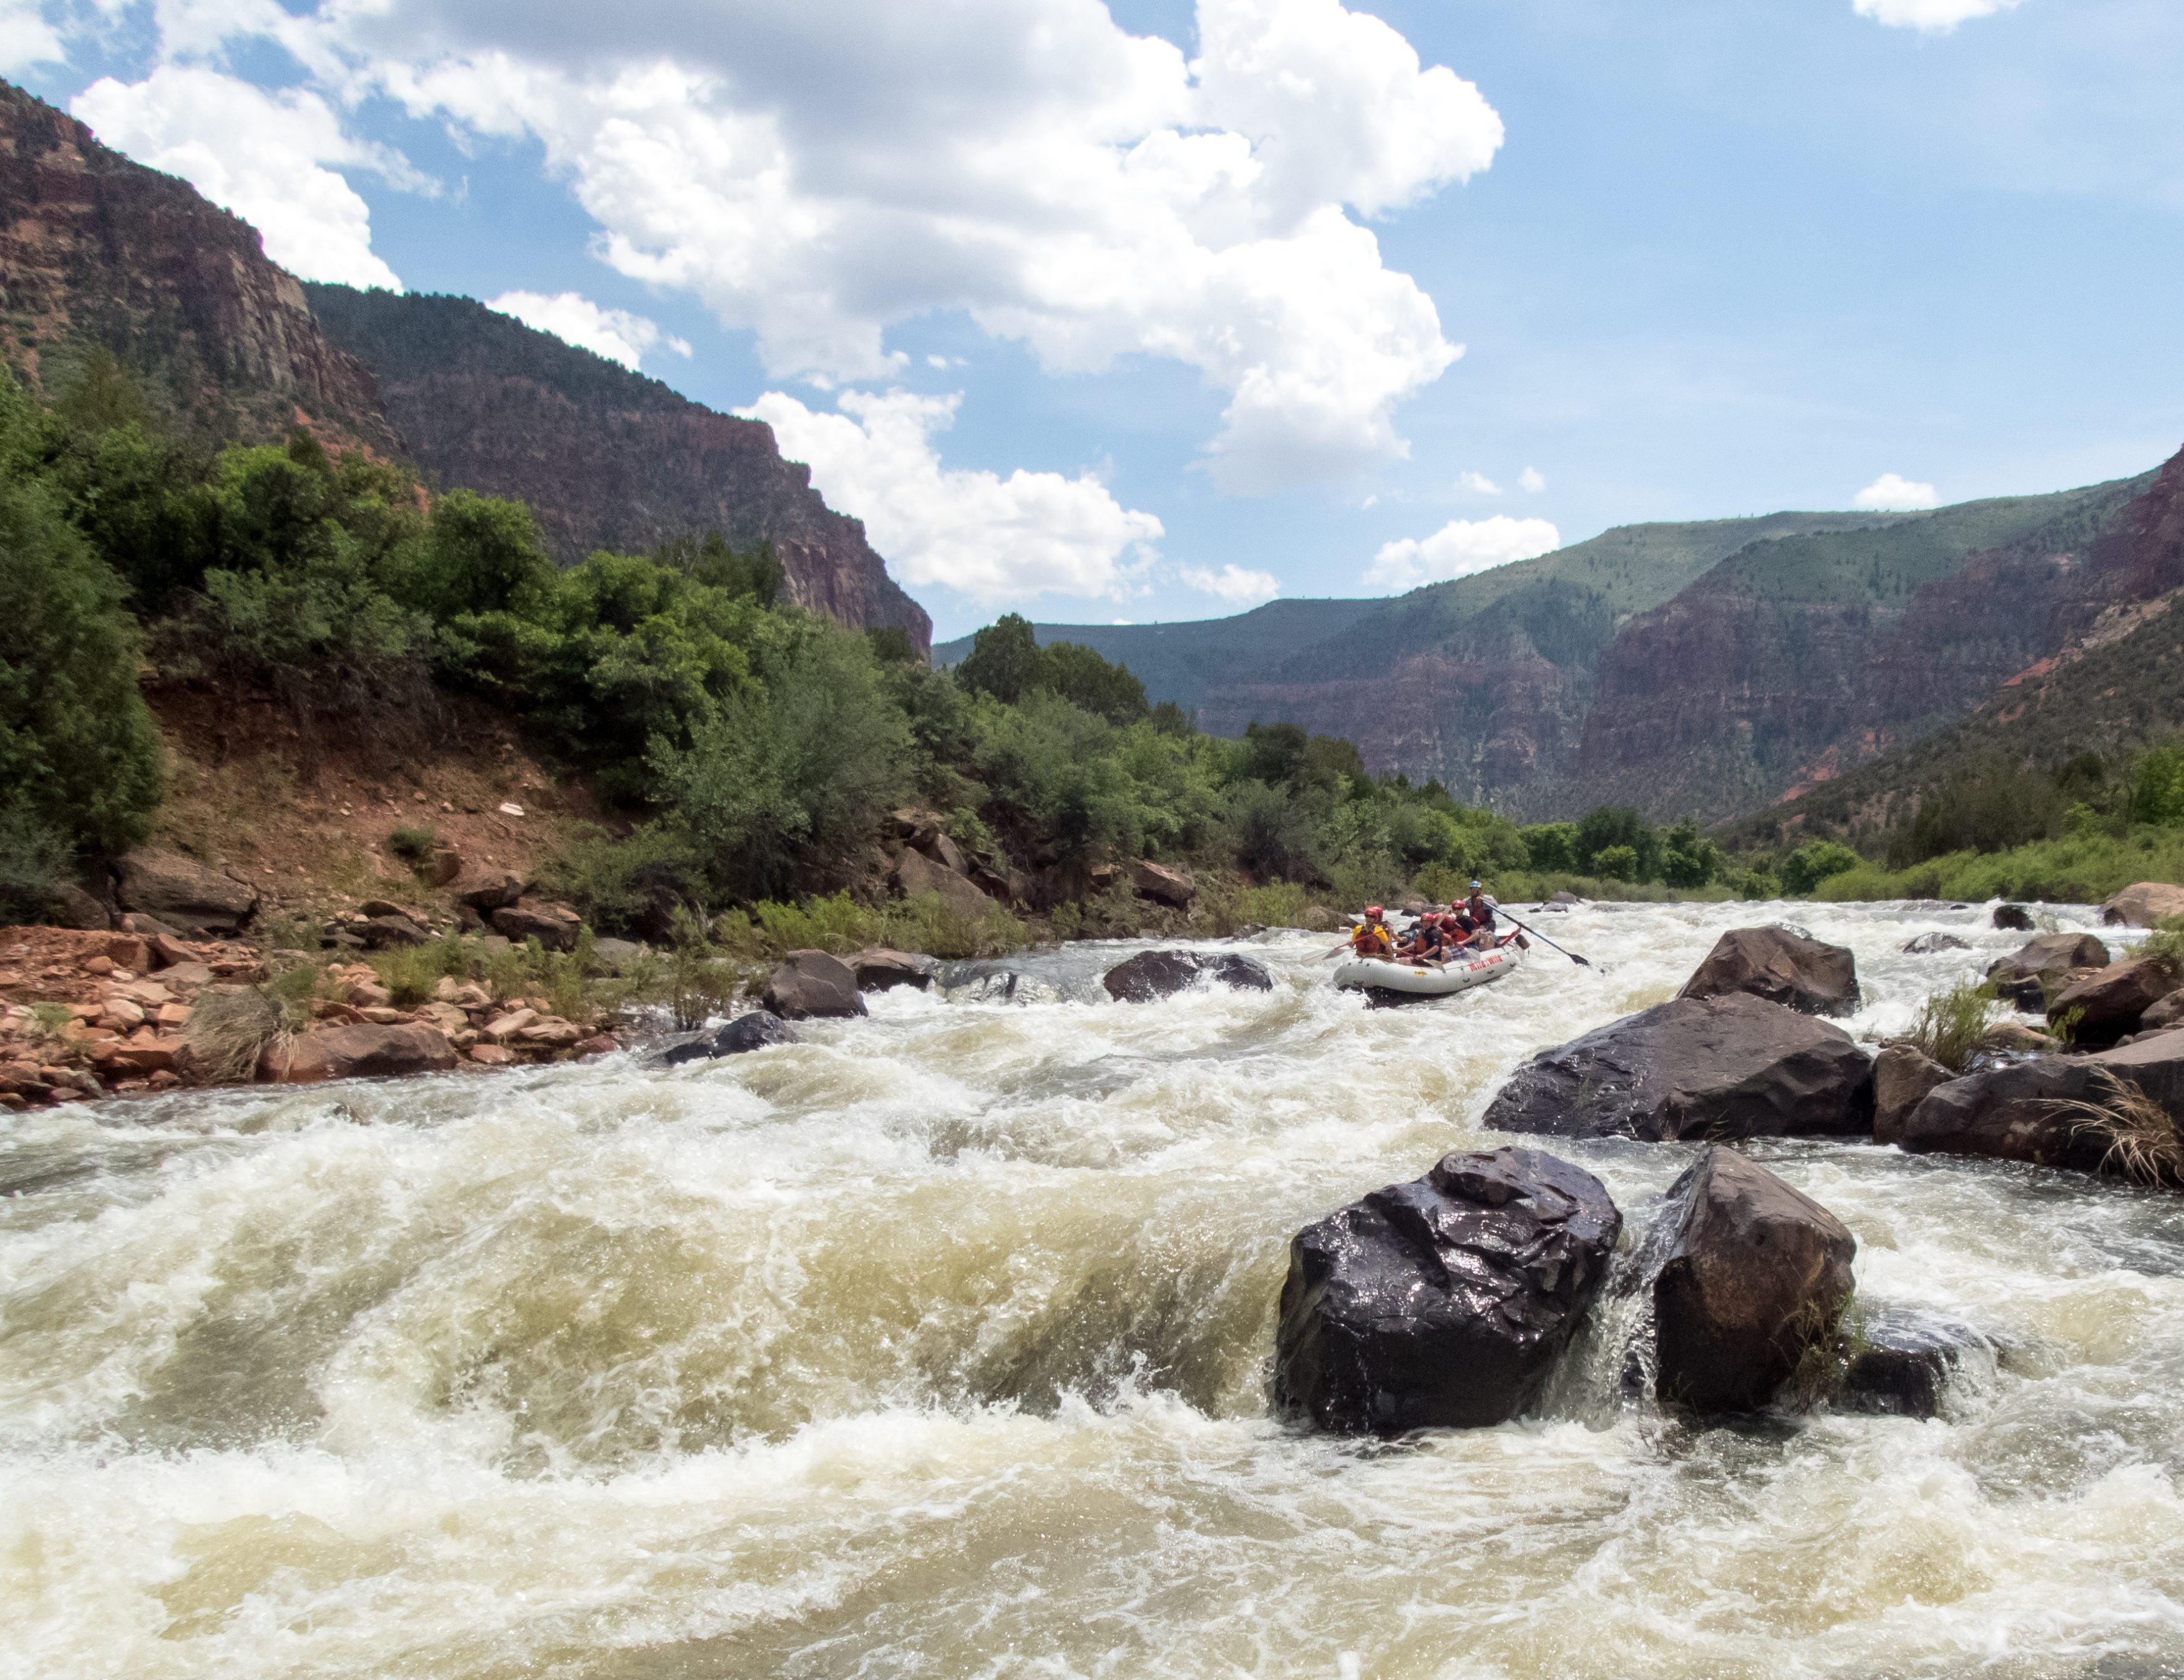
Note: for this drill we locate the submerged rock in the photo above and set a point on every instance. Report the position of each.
(811, 984)
(2018, 1113)
(1442, 1303)
(1788, 968)
(1720, 1068)
(1926, 944)
(1900, 1361)
(879, 970)
(752, 1031)
(1758, 1275)
(1161, 974)
(1902, 1075)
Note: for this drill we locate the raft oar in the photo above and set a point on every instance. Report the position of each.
(1550, 943)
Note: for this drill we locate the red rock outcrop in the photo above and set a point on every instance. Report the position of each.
(99, 253)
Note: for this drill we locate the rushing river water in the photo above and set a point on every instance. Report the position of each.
(938, 1344)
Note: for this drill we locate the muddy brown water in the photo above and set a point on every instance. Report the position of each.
(938, 1344)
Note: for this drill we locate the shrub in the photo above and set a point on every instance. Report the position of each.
(413, 845)
(1813, 862)
(34, 861)
(410, 973)
(1272, 833)
(80, 759)
(1617, 863)
(1951, 1026)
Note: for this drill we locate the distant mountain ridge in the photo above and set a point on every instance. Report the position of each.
(606, 458)
(1182, 661)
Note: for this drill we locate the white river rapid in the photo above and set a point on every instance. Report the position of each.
(938, 1344)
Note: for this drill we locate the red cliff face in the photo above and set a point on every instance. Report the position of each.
(606, 458)
(96, 252)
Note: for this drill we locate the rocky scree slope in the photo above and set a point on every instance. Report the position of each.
(606, 458)
(97, 252)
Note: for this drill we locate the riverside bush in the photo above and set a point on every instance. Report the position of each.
(2083, 868)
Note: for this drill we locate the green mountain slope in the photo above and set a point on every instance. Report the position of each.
(1180, 662)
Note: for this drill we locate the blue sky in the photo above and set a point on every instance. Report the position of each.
(1150, 310)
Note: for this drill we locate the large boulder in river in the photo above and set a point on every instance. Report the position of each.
(811, 984)
(1902, 1075)
(1442, 1303)
(2109, 1001)
(2014, 917)
(752, 1031)
(2147, 905)
(1901, 1359)
(1161, 974)
(1757, 1274)
(1781, 966)
(2022, 1112)
(2050, 962)
(187, 895)
(879, 970)
(1710, 1068)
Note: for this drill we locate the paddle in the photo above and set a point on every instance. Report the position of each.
(1544, 940)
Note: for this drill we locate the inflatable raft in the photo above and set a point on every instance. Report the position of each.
(1424, 980)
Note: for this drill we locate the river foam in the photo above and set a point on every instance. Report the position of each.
(937, 1344)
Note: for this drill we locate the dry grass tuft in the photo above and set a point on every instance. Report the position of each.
(2144, 1144)
(230, 1028)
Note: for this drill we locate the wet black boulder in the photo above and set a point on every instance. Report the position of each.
(1443, 1302)
(752, 1031)
(1709, 1068)
(1161, 974)
(1901, 1358)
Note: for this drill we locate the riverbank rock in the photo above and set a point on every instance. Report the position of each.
(2012, 1113)
(555, 927)
(1902, 1075)
(1163, 885)
(916, 875)
(752, 1031)
(489, 889)
(2146, 904)
(183, 893)
(359, 1053)
(1902, 1359)
(2110, 1001)
(2015, 917)
(880, 970)
(1927, 944)
(386, 932)
(2161, 1016)
(1781, 966)
(1442, 1303)
(611, 956)
(1716, 1068)
(1161, 974)
(1758, 1274)
(813, 984)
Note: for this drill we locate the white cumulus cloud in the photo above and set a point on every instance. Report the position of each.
(819, 173)
(1233, 582)
(1531, 481)
(574, 319)
(1459, 549)
(26, 38)
(1932, 17)
(994, 538)
(1893, 494)
(1479, 483)
(262, 155)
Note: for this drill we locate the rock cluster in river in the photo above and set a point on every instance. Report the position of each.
(1445, 1301)
(1161, 974)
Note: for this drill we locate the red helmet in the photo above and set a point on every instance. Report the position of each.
(1374, 909)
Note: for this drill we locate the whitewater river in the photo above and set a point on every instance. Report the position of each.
(938, 1345)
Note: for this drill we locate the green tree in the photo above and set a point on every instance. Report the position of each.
(1551, 845)
(1003, 661)
(1089, 683)
(1616, 863)
(1688, 858)
(1607, 827)
(1813, 863)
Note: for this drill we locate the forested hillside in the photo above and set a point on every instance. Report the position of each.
(605, 457)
